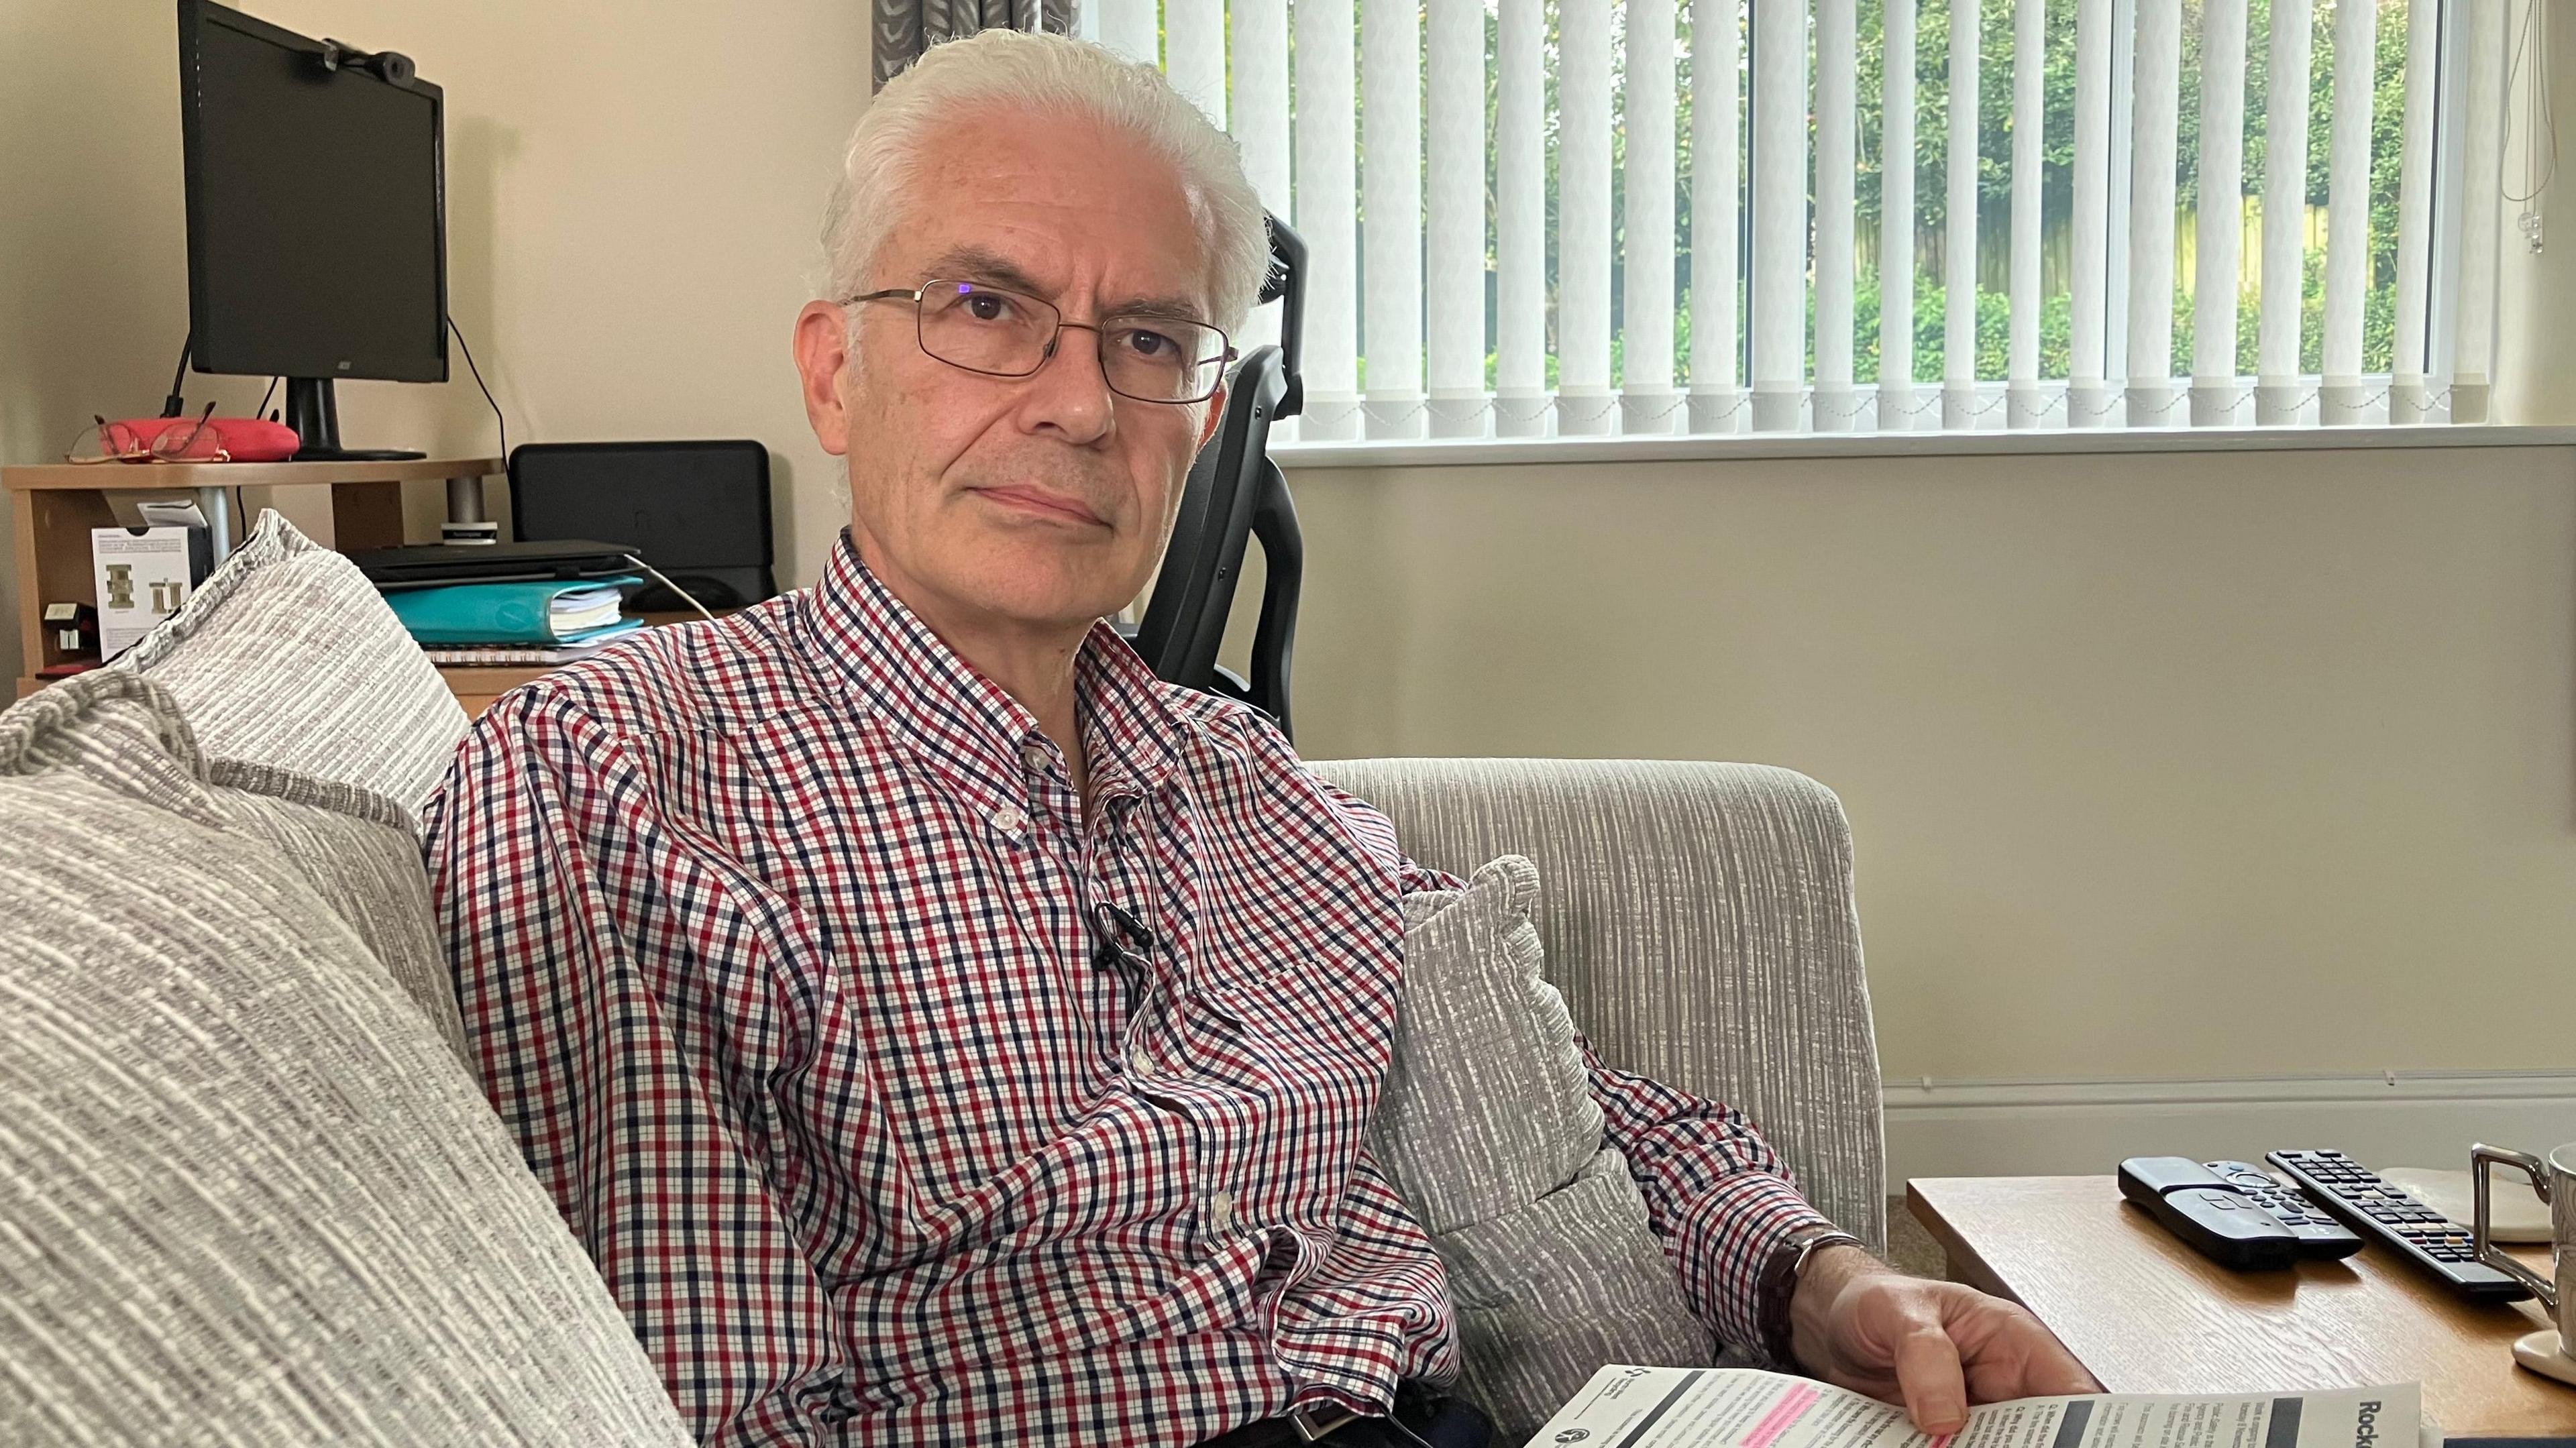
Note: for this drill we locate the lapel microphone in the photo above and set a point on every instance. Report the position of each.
(1119, 938)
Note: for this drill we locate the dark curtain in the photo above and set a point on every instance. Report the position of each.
(905, 28)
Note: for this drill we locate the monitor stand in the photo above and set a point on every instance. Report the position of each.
(314, 413)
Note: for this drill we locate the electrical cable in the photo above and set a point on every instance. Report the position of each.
(174, 404)
(667, 583)
(497, 416)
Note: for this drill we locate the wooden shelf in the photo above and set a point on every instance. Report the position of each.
(58, 504)
(162, 477)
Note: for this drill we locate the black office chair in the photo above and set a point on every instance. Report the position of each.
(1235, 492)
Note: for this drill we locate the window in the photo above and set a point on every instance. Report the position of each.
(1534, 217)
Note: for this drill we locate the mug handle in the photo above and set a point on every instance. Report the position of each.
(2482, 1158)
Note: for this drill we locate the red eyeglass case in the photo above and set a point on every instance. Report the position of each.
(242, 439)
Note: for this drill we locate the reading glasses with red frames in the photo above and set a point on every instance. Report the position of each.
(1003, 333)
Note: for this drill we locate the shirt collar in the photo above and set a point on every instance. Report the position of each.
(963, 723)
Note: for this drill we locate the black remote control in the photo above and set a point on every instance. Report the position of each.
(2321, 1238)
(2208, 1213)
(2398, 1222)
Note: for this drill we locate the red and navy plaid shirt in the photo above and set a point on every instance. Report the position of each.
(772, 940)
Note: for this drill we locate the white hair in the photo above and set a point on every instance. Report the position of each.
(1055, 75)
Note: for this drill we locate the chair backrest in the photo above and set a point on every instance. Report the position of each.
(1236, 494)
(1698, 919)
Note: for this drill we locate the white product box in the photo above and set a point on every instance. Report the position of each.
(143, 575)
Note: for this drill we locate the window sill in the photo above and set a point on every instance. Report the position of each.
(1488, 452)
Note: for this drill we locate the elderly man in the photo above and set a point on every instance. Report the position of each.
(777, 935)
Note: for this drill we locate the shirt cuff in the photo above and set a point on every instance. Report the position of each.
(1740, 1223)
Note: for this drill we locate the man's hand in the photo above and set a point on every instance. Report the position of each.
(1933, 1346)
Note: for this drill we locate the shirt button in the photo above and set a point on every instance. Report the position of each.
(1009, 820)
(1220, 1209)
(1036, 755)
(1141, 1062)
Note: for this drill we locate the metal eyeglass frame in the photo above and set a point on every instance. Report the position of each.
(1098, 331)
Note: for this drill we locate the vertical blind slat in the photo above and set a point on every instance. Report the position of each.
(1520, 222)
(1646, 316)
(2285, 204)
(2481, 167)
(2029, 117)
(2155, 132)
(1837, 168)
(1194, 56)
(2030, 45)
(2348, 212)
(1959, 246)
(1717, 41)
(1258, 61)
(2407, 402)
(1127, 27)
(1326, 178)
(1779, 213)
(1456, 285)
(2088, 314)
(1896, 402)
(2219, 245)
(2407, 370)
(1391, 195)
(1583, 401)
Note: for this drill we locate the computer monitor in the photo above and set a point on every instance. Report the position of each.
(317, 237)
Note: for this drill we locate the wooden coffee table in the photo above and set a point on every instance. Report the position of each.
(2148, 1315)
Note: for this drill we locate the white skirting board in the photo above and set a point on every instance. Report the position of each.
(2084, 1128)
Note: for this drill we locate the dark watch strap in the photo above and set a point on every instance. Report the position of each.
(1779, 1286)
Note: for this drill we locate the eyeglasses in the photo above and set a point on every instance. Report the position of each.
(1006, 334)
(155, 440)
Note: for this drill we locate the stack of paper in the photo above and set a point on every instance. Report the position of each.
(1634, 1407)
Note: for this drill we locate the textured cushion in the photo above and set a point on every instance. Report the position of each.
(288, 657)
(1489, 1129)
(361, 853)
(246, 1195)
(1700, 923)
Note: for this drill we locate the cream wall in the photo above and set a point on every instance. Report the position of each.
(633, 195)
(2204, 765)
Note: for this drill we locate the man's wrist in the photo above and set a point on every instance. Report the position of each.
(1786, 1279)
(1829, 1271)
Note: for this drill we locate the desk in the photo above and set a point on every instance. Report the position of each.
(2149, 1315)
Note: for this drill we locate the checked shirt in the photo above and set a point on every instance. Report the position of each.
(772, 939)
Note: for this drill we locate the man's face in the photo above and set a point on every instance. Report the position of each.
(1038, 502)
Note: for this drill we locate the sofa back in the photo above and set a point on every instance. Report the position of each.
(1698, 919)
